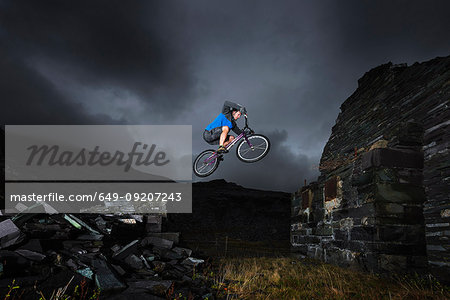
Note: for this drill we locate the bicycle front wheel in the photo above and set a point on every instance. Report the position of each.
(258, 148)
(206, 163)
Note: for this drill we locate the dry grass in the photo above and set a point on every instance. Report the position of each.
(288, 278)
(81, 291)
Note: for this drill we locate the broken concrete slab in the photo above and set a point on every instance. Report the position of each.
(134, 262)
(158, 242)
(33, 245)
(172, 236)
(191, 261)
(173, 262)
(86, 272)
(144, 261)
(78, 223)
(182, 251)
(118, 269)
(126, 250)
(31, 255)
(31, 211)
(90, 237)
(172, 274)
(105, 279)
(171, 255)
(71, 264)
(10, 234)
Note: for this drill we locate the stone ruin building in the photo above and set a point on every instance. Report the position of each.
(382, 202)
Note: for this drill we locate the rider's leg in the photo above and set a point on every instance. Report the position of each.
(229, 140)
(223, 136)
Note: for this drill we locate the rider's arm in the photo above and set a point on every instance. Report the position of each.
(236, 129)
(228, 106)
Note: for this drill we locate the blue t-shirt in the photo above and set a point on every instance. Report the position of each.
(220, 121)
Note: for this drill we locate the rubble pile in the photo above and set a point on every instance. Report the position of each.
(381, 202)
(118, 255)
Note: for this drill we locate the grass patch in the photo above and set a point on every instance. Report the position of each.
(289, 278)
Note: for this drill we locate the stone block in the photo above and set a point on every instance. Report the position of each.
(324, 231)
(389, 209)
(385, 157)
(363, 233)
(400, 193)
(410, 234)
(341, 235)
(366, 177)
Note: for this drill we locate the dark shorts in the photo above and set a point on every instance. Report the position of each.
(212, 136)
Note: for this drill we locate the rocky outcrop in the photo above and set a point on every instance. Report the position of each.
(382, 202)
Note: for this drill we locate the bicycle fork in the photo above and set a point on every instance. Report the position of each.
(248, 142)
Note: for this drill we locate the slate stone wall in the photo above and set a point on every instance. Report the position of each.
(382, 200)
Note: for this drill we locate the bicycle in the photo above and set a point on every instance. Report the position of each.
(251, 148)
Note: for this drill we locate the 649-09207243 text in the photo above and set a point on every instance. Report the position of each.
(108, 196)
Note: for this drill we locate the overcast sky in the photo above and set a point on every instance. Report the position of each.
(291, 63)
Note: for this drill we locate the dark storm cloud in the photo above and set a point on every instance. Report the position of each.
(28, 98)
(100, 44)
(291, 63)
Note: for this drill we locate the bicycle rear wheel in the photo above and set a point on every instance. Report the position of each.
(260, 146)
(206, 163)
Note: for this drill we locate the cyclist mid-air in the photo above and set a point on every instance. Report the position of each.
(250, 148)
(216, 133)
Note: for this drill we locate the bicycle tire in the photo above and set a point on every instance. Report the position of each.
(205, 154)
(244, 142)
